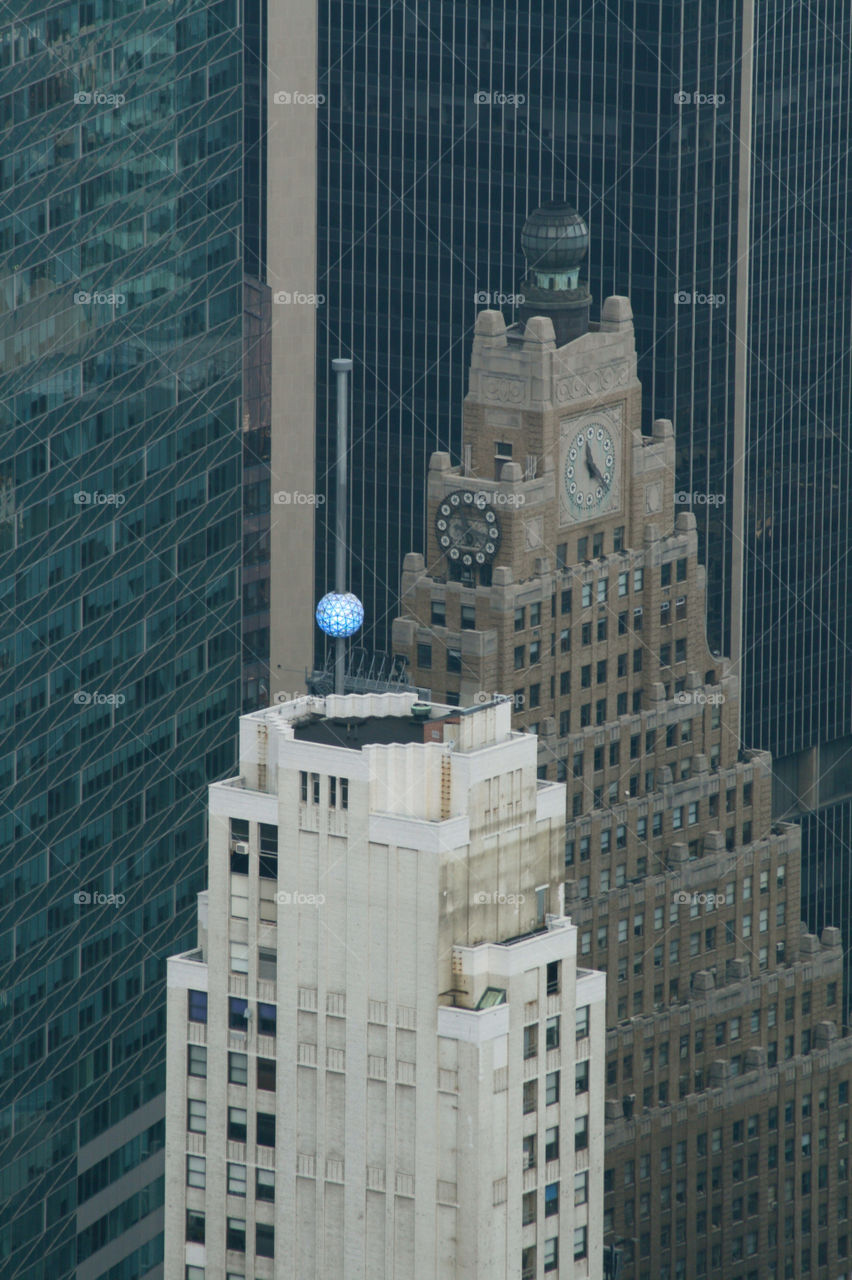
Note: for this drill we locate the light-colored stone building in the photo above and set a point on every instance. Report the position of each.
(383, 1058)
(560, 575)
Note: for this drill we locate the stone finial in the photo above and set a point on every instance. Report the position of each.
(663, 429)
(830, 937)
(539, 329)
(440, 461)
(511, 473)
(616, 314)
(490, 324)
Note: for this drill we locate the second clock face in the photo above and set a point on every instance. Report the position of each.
(590, 468)
(467, 528)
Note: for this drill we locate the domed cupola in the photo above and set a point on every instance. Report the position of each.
(555, 240)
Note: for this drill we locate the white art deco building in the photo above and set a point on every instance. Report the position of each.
(383, 1059)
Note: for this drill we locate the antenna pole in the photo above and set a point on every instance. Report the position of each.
(342, 369)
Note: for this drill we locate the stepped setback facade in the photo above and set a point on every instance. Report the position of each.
(383, 1058)
(558, 577)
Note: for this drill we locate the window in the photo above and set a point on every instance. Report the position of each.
(235, 1235)
(237, 1068)
(535, 695)
(264, 1240)
(529, 1157)
(266, 1073)
(530, 1096)
(552, 1033)
(239, 957)
(528, 1263)
(265, 1184)
(237, 1013)
(603, 586)
(197, 1006)
(529, 1207)
(237, 1124)
(638, 579)
(551, 1254)
(553, 974)
(551, 1094)
(582, 1022)
(196, 1175)
(468, 617)
(266, 1019)
(196, 1120)
(439, 613)
(454, 664)
(581, 1084)
(424, 657)
(236, 1179)
(581, 1242)
(565, 647)
(551, 1139)
(196, 1064)
(520, 656)
(586, 595)
(194, 1226)
(531, 1040)
(551, 1199)
(565, 602)
(265, 1129)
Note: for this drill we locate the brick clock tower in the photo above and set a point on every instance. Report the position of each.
(557, 574)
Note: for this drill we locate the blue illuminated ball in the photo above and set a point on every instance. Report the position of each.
(340, 615)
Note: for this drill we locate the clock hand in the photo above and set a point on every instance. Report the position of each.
(593, 468)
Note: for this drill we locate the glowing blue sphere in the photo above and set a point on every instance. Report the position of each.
(340, 614)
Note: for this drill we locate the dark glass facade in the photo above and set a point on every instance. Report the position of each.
(706, 144)
(121, 455)
(445, 126)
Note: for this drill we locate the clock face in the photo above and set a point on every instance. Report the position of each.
(467, 528)
(590, 468)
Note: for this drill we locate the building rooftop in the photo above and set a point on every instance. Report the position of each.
(356, 732)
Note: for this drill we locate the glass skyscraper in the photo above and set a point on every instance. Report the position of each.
(122, 210)
(706, 143)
